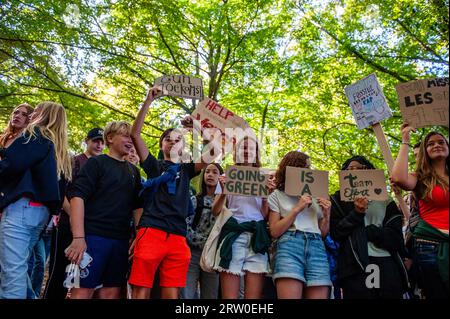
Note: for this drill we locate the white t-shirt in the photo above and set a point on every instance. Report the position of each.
(245, 208)
(306, 220)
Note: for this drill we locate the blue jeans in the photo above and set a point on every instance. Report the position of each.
(302, 256)
(209, 282)
(36, 265)
(425, 256)
(20, 227)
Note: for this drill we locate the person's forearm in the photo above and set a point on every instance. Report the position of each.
(279, 227)
(66, 206)
(324, 226)
(77, 217)
(137, 214)
(265, 209)
(138, 123)
(218, 203)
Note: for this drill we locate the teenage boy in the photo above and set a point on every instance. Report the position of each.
(62, 236)
(102, 200)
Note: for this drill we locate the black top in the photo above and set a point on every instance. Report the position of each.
(78, 162)
(28, 168)
(165, 211)
(110, 189)
(348, 228)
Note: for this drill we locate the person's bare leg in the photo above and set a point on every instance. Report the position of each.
(81, 293)
(139, 292)
(169, 292)
(229, 285)
(317, 292)
(254, 285)
(109, 293)
(289, 288)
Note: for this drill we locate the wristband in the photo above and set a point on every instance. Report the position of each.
(406, 144)
(77, 237)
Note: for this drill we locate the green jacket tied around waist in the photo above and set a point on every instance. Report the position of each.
(425, 231)
(260, 240)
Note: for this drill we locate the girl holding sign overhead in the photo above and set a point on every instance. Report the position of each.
(430, 185)
(161, 238)
(243, 241)
(301, 268)
(370, 238)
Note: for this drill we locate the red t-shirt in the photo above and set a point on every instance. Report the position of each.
(435, 211)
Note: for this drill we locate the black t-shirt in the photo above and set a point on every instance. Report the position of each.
(165, 211)
(110, 190)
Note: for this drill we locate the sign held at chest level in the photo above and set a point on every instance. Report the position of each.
(303, 181)
(246, 181)
(369, 184)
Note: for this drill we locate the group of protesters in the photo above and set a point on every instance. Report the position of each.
(99, 229)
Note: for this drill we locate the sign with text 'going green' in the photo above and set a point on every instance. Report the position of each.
(246, 181)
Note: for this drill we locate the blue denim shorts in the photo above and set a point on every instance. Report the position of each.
(302, 256)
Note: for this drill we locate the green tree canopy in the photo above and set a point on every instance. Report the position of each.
(281, 65)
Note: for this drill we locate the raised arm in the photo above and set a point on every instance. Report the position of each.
(220, 199)
(400, 175)
(324, 222)
(136, 129)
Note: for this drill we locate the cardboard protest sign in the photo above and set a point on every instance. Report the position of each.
(246, 181)
(367, 102)
(181, 86)
(424, 102)
(369, 184)
(303, 181)
(211, 114)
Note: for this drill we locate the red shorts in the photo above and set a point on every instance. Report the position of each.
(156, 248)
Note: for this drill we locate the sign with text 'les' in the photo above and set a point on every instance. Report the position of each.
(303, 181)
(367, 101)
(424, 102)
(181, 86)
(246, 181)
(369, 184)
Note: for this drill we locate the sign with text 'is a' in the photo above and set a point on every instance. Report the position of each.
(424, 102)
(369, 184)
(246, 181)
(303, 181)
(367, 102)
(180, 86)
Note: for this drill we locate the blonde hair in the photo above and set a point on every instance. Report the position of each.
(51, 121)
(9, 131)
(116, 127)
(426, 175)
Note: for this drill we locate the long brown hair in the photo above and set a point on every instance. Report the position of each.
(293, 158)
(427, 178)
(9, 131)
(52, 123)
